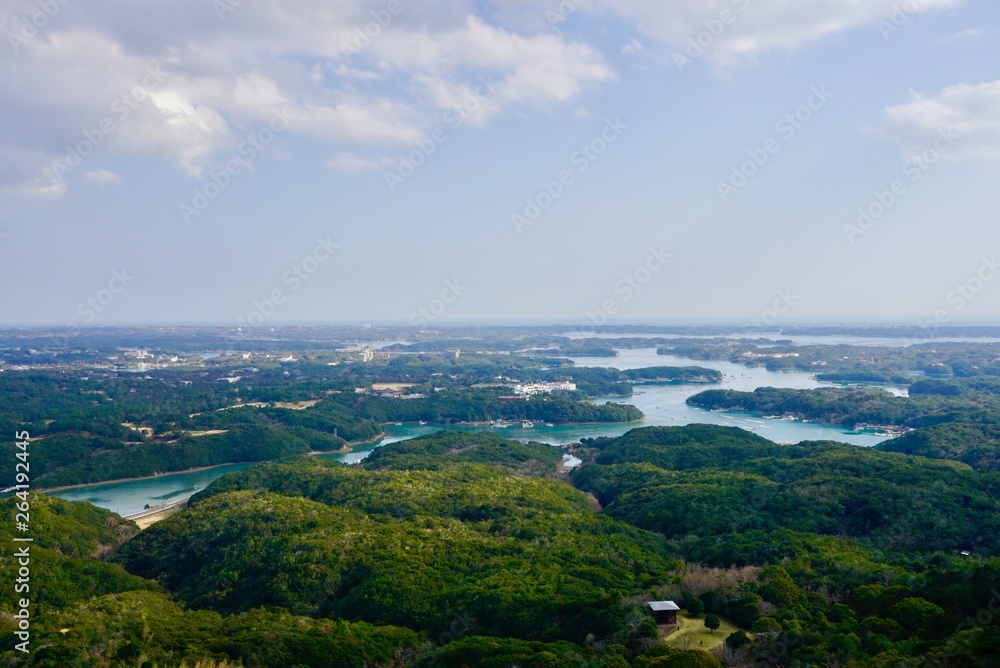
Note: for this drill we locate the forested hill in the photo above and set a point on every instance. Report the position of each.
(692, 446)
(444, 448)
(859, 548)
(447, 551)
(855, 406)
(674, 479)
(977, 445)
(91, 425)
(524, 559)
(469, 550)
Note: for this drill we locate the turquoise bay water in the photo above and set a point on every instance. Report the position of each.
(130, 496)
(663, 405)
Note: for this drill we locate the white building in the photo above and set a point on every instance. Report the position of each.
(531, 389)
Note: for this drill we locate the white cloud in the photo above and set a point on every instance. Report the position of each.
(972, 111)
(37, 186)
(633, 47)
(24, 171)
(755, 26)
(103, 177)
(345, 72)
(751, 27)
(971, 33)
(226, 78)
(542, 69)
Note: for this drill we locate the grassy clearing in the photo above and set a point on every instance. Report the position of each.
(692, 633)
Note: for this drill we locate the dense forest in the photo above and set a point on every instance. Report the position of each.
(901, 364)
(856, 551)
(444, 448)
(90, 425)
(855, 407)
(465, 549)
(315, 564)
(977, 445)
(482, 405)
(674, 480)
(468, 550)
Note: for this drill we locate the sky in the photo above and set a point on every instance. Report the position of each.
(266, 162)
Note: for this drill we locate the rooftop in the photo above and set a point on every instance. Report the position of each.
(663, 606)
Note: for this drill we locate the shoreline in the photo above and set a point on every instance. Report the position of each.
(892, 431)
(47, 490)
(348, 447)
(452, 426)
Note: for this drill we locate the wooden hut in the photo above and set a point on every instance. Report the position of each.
(664, 612)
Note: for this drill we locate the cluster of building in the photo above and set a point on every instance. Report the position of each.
(774, 356)
(369, 354)
(531, 389)
(390, 391)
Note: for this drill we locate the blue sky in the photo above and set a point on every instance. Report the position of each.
(254, 162)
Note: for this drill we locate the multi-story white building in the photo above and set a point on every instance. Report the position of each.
(530, 389)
